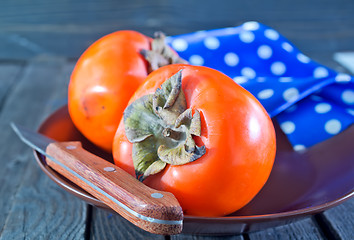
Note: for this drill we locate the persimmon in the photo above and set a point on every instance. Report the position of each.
(105, 77)
(194, 132)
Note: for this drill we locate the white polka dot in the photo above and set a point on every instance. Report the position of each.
(348, 96)
(248, 72)
(333, 126)
(299, 147)
(271, 34)
(200, 34)
(265, 93)
(230, 30)
(342, 77)
(261, 79)
(179, 44)
(302, 58)
(231, 59)
(285, 79)
(288, 127)
(287, 47)
(251, 26)
(246, 37)
(278, 68)
(240, 79)
(323, 108)
(196, 60)
(211, 43)
(264, 52)
(291, 94)
(350, 111)
(320, 72)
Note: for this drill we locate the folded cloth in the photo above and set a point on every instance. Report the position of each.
(311, 102)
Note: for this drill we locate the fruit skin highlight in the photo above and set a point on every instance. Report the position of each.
(238, 136)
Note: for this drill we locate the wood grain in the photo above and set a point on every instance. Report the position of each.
(191, 237)
(8, 78)
(303, 229)
(117, 187)
(67, 28)
(29, 199)
(108, 226)
(340, 221)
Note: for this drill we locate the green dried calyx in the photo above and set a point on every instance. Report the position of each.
(161, 129)
(161, 54)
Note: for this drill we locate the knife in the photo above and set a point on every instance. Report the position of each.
(154, 211)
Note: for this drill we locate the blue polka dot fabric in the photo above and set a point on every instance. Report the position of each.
(310, 102)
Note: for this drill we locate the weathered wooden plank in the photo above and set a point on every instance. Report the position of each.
(107, 226)
(40, 210)
(303, 229)
(66, 28)
(9, 74)
(339, 221)
(31, 205)
(196, 237)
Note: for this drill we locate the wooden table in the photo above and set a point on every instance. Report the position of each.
(39, 44)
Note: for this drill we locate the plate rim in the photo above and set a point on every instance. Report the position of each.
(247, 219)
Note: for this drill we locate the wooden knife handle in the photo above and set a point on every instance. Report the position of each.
(154, 211)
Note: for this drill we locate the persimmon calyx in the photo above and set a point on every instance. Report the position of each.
(160, 54)
(161, 129)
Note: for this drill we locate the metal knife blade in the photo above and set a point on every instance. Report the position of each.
(36, 141)
(154, 211)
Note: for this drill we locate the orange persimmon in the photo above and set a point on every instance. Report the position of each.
(105, 77)
(194, 132)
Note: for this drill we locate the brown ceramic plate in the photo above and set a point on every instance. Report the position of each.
(301, 183)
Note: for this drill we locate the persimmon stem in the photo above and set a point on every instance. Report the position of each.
(160, 54)
(161, 129)
(168, 132)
